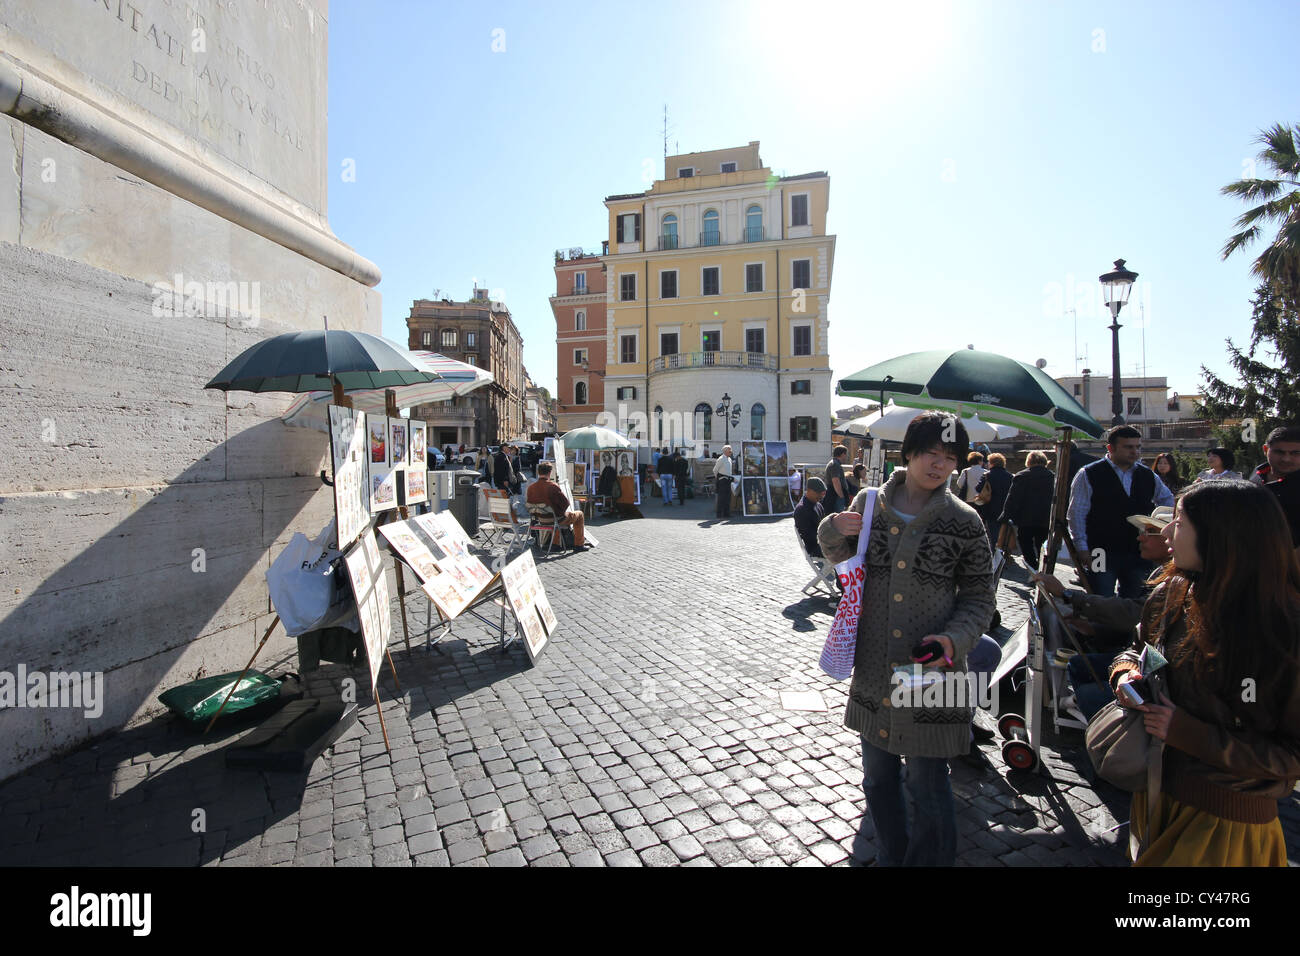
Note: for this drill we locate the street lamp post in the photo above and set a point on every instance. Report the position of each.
(1115, 287)
(730, 415)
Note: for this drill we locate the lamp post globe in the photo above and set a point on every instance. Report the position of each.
(727, 412)
(1115, 287)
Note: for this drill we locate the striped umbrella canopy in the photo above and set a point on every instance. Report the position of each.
(310, 410)
(314, 360)
(1000, 390)
(891, 425)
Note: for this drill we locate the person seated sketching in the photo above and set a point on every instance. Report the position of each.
(544, 491)
(808, 515)
(1106, 624)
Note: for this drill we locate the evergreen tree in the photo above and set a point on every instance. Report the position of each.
(1269, 367)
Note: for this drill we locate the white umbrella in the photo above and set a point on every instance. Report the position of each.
(309, 410)
(594, 438)
(891, 424)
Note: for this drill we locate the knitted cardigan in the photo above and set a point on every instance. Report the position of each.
(932, 575)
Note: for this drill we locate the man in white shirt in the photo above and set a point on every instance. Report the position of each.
(1102, 497)
(723, 470)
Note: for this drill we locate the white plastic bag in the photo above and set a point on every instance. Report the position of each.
(301, 581)
(841, 644)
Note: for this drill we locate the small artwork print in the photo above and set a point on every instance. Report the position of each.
(778, 493)
(417, 489)
(579, 474)
(397, 429)
(419, 441)
(378, 431)
(755, 496)
(383, 490)
(534, 633)
(625, 463)
(778, 460)
(366, 571)
(351, 497)
(753, 459)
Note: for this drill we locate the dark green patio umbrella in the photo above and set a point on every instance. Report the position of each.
(1000, 389)
(313, 361)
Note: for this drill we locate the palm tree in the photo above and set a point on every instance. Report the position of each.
(1279, 263)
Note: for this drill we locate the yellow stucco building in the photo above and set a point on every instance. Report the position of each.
(718, 279)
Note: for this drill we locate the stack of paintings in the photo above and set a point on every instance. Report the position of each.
(765, 481)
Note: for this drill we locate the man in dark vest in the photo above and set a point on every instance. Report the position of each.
(1102, 497)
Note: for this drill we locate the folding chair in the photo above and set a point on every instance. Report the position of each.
(486, 526)
(542, 520)
(502, 522)
(824, 576)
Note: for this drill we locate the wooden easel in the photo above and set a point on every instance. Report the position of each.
(1060, 509)
(1061, 533)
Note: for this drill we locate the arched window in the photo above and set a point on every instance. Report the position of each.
(754, 224)
(711, 236)
(659, 422)
(668, 234)
(703, 422)
(580, 393)
(757, 415)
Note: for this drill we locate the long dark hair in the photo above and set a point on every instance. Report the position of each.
(1243, 606)
(1174, 480)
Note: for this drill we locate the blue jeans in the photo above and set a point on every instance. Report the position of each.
(932, 840)
(666, 483)
(1129, 570)
(1088, 694)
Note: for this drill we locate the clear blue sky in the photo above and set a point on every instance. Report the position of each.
(988, 160)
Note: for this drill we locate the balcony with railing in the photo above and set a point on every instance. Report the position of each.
(748, 234)
(757, 361)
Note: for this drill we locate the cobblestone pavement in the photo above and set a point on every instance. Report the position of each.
(651, 732)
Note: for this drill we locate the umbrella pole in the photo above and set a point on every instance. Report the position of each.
(247, 667)
(339, 397)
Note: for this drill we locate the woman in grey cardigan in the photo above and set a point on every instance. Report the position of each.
(928, 578)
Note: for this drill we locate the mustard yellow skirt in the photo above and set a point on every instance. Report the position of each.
(1185, 836)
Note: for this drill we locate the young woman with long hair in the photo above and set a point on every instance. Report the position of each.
(1166, 467)
(1226, 615)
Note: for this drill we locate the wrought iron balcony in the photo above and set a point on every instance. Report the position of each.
(759, 361)
(668, 242)
(755, 233)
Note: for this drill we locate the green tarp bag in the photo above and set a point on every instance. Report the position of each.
(198, 700)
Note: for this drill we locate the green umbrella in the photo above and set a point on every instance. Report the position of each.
(312, 361)
(1000, 389)
(594, 438)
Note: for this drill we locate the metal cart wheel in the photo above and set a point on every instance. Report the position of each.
(1008, 724)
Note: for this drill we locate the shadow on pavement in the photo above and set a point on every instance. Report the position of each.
(802, 612)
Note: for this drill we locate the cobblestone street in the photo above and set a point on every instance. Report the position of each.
(651, 732)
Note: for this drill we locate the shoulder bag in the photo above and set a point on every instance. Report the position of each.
(1124, 754)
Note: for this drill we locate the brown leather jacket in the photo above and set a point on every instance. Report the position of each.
(1214, 760)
